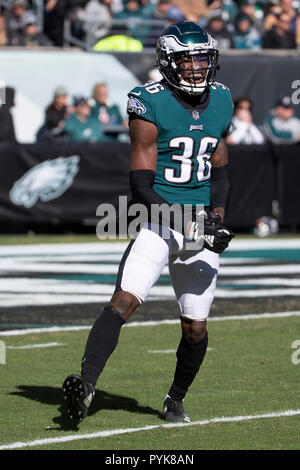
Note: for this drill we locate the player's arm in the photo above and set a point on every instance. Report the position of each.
(143, 157)
(219, 179)
(143, 137)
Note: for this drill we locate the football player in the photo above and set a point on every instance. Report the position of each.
(178, 128)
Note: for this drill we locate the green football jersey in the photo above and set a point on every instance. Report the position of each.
(187, 138)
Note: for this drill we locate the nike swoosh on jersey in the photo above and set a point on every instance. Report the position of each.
(134, 93)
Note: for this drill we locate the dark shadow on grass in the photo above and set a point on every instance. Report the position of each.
(101, 401)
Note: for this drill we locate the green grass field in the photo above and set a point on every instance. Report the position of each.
(247, 372)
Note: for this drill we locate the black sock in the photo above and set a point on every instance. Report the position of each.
(189, 359)
(102, 340)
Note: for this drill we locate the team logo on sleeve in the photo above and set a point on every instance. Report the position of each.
(135, 106)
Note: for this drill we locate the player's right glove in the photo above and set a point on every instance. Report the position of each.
(208, 232)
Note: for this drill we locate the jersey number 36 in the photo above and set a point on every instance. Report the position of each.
(185, 158)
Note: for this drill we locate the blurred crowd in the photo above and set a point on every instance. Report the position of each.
(96, 118)
(133, 25)
(81, 118)
(136, 24)
(280, 126)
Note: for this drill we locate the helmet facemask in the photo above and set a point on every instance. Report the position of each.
(194, 70)
(187, 57)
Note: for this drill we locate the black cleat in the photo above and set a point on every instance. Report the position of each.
(174, 412)
(78, 395)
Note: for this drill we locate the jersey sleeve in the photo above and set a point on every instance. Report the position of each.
(140, 105)
(229, 110)
(225, 104)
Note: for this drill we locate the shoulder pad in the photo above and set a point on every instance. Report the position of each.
(219, 86)
(148, 89)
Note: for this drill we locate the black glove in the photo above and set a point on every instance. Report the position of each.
(208, 230)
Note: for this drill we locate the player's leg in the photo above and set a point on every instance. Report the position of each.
(79, 390)
(194, 279)
(139, 269)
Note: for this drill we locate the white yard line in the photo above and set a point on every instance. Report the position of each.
(33, 346)
(167, 351)
(28, 292)
(114, 432)
(266, 281)
(119, 247)
(23, 285)
(113, 258)
(16, 266)
(56, 329)
(161, 351)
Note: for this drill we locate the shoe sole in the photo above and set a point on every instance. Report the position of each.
(75, 391)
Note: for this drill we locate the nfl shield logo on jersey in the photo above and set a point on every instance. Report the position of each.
(195, 115)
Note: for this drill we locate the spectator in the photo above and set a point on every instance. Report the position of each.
(281, 126)
(7, 130)
(130, 18)
(148, 8)
(246, 35)
(56, 12)
(225, 8)
(280, 36)
(160, 21)
(80, 126)
(271, 16)
(54, 16)
(218, 30)
(32, 37)
(242, 129)
(15, 21)
(103, 109)
(174, 14)
(131, 9)
(248, 7)
(230, 9)
(116, 6)
(287, 6)
(55, 116)
(284, 6)
(3, 32)
(96, 18)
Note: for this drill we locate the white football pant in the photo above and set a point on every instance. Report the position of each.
(193, 272)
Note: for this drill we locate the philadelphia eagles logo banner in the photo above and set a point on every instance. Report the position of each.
(46, 181)
(61, 183)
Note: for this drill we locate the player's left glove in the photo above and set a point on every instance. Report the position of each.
(208, 231)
